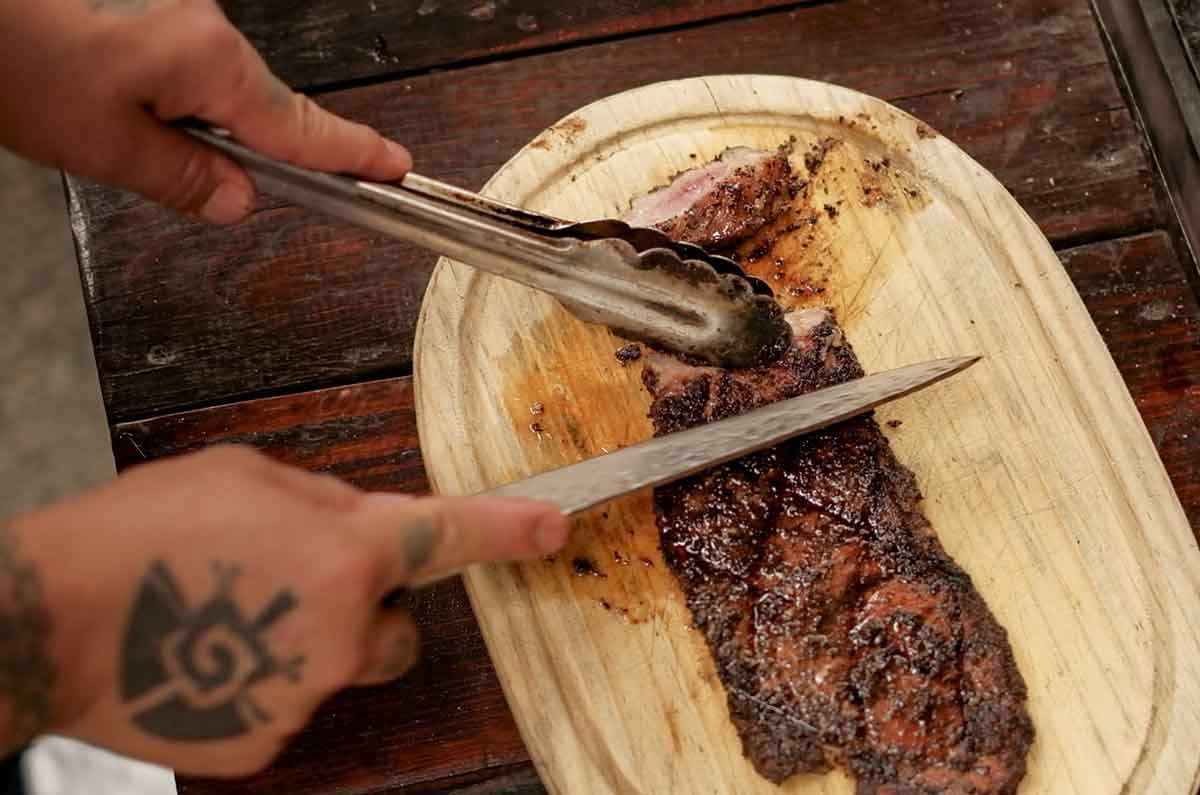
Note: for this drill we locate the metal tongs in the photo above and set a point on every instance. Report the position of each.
(638, 282)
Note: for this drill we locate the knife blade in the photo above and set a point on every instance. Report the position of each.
(577, 487)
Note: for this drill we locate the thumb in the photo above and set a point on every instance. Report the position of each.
(430, 538)
(169, 167)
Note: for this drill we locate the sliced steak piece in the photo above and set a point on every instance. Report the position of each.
(842, 631)
(721, 203)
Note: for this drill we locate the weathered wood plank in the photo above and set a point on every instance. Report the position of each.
(1187, 20)
(184, 315)
(450, 718)
(518, 780)
(1136, 291)
(327, 41)
(1009, 131)
(366, 434)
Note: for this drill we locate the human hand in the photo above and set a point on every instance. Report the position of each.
(90, 85)
(199, 609)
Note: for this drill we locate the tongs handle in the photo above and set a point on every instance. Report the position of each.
(433, 215)
(481, 205)
(648, 293)
(264, 168)
(595, 279)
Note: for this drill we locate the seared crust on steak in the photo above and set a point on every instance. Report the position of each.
(721, 203)
(842, 631)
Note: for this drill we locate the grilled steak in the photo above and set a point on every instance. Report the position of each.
(721, 203)
(842, 631)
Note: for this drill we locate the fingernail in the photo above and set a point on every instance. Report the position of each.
(550, 533)
(227, 204)
(400, 155)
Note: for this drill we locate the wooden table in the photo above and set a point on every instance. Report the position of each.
(294, 333)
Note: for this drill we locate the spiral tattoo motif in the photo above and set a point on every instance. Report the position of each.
(187, 670)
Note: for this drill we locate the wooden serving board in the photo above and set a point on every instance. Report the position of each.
(1037, 470)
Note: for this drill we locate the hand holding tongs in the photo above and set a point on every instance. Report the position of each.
(638, 282)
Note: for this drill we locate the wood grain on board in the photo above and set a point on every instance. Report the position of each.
(1147, 312)
(366, 433)
(184, 315)
(331, 41)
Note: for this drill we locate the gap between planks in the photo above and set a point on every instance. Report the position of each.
(332, 86)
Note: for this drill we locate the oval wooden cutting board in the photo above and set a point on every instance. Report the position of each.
(1038, 473)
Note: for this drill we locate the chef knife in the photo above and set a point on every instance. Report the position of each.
(577, 487)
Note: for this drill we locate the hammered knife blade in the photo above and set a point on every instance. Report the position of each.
(667, 458)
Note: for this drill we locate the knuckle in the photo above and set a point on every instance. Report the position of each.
(352, 571)
(108, 161)
(350, 666)
(233, 457)
(436, 515)
(426, 533)
(444, 524)
(235, 93)
(224, 469)
(193, 183)
(238, 84)
(386, 654)
(100, 165)
(337, 494)
(214, 34)
(313, 120)
(235, 452)
(287, 725)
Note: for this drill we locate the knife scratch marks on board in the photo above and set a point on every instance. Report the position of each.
(906, 326)
(848, 308)
(808, 727)
(716, 105)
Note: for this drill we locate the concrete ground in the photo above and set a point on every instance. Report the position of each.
(55, 440)
(53, 435)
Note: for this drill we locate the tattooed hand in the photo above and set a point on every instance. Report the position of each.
(89, 85)
(196, 611)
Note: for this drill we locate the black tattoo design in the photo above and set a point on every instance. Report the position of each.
(26, 674)
(189, 670)
(420, 539)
